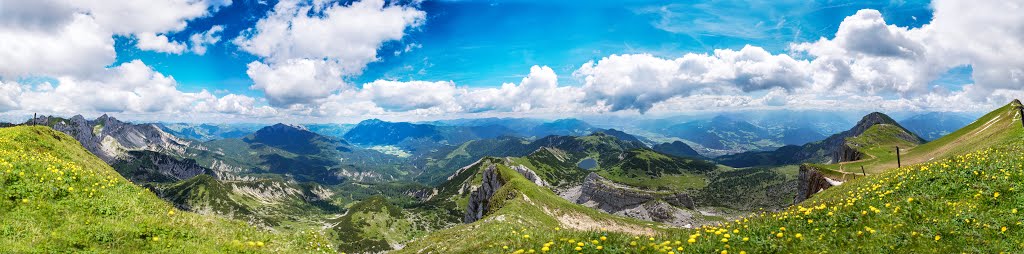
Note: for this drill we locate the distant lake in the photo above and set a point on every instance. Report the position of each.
(588, 163)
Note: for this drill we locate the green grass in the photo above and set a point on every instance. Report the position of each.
(553, 166)
(994, 128)
(57, 197)
(373, 225)
(967, 203)
(659, 172)
(520, 203)
(670, 183)
(878, 144)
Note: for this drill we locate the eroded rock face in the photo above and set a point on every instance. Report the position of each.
(109, 138)
(530, 175)
(846, 153)
(810, 181)
(610, 197)
(147, 166)
(479, 199)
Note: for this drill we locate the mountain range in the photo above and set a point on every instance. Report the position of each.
(410, 187)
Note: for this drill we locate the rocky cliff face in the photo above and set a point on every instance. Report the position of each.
(835, 145)
(810, 181)
(846, 153)
(603, 194)
(109, 138)
(147, 166)
(479, 199)
(530, 175)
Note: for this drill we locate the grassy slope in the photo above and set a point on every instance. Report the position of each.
(373, 225)
(966, 203)
(521, 204)
(992, 128)
(655, 171)
(878, 145)
(56, 197)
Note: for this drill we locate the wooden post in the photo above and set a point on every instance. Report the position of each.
(1021, 108)
(898, 163)
(862, 171)
(34, 118)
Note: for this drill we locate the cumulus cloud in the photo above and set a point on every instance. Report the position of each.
(989, 36)
(70, 44)
(158, 43)
(295, 81)
(201, 40)
(869, 56)
(404, 96)
(867, 59)
(339, 41)
(131, 87)
(537, 91)
(637, 82)
(55, 37)
(134, 17)
(9, 96)
(77, 47)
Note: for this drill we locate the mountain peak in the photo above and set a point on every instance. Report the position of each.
(371, 121)
(1016, 102)
(291, 138)
(282, 127)
(875, 118)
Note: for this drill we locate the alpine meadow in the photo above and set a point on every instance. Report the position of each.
(443, 126)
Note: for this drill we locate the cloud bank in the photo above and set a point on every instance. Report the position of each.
(308, 53)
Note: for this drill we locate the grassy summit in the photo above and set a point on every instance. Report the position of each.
(992, 129)
(57, 197)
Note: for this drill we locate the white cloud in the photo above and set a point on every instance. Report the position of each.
(201, 40)
(77, 47)
(134, 17)
(232, 104)
(9, 96)
(39, 15)
(867, 56)
(537, 91)
(637, 82)
(868, 63)
(295, 81)
(60, 37)
(158, 43)
(404, 96)
(989, 35)
(131, 87)
(340, 40)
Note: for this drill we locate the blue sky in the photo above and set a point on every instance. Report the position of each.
(487, 43)
(330, 61)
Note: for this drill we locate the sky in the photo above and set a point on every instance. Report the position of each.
(330, 61)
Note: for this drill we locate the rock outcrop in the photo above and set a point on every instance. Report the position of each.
(148, 166)
(109, 138)
(846, 153)
(840, 150)
(530, 175)
(610, 197)
(479, 200)
(810, 181)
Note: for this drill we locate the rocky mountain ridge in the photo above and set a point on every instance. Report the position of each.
(109, 138)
